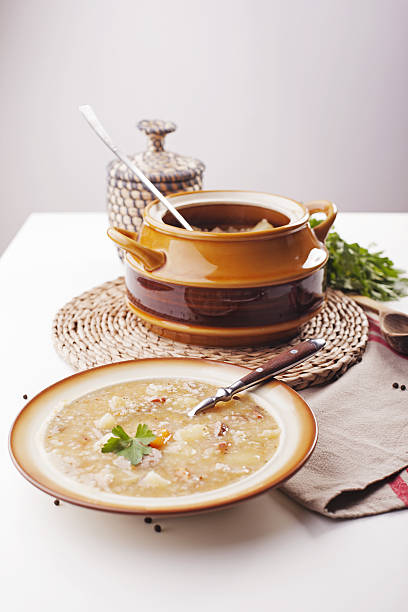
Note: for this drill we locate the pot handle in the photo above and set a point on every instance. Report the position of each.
(149, 258)
(329, 209)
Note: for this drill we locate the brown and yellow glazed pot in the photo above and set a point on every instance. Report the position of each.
(227, 289)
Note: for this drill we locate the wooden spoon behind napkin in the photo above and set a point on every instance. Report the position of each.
(393, 324)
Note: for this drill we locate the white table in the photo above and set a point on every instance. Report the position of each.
(265, 552)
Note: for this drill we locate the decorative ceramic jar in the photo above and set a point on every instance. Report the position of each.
(170, 173)
(227, 288)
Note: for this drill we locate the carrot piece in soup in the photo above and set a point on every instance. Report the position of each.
(162, 439)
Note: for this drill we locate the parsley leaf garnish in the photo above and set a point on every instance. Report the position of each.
(354, 268)
(144, 434)
(132, 449)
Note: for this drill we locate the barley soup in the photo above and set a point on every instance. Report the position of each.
(166, 452)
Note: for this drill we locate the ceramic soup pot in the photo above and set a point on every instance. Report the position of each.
(227, 288)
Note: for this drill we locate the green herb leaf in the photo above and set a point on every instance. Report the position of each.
(352, 267)
(135, 451)
(120, 432)
(132, 449)
(144, 434)
(113, 445)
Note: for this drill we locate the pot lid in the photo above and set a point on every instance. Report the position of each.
(156, 163)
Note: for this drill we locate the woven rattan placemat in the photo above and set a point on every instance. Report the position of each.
(96, 328)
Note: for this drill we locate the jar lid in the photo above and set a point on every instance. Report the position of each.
(156, 163)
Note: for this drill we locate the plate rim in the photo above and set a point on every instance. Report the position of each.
(206, 506)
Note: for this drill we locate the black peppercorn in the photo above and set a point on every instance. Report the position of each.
(157, 528)
(403, 387)
(25, 396)
(395, 385)
(56, 502)
(148, 520)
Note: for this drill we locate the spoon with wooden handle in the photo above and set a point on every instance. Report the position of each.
(276, 365)
(393, 324)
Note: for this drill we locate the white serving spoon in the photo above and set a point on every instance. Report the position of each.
(97, 126)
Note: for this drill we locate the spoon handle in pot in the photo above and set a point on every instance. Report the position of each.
(98, 128)
(276, 365)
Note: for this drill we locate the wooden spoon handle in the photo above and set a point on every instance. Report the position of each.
(370, 304)
(278, 364)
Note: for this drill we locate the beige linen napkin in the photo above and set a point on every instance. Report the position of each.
(359, 465)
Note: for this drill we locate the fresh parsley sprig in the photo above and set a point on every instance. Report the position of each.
(132, 449)
(354, 268)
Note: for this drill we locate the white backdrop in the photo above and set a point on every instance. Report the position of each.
(306, 98)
